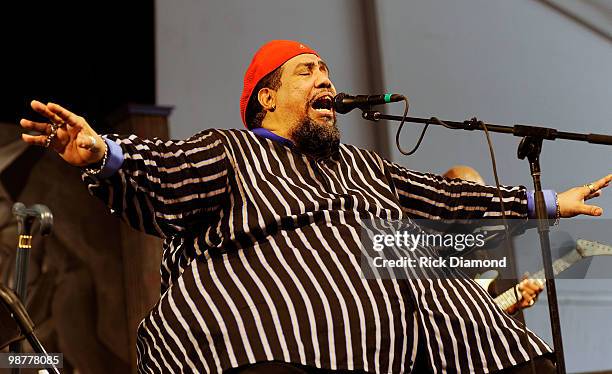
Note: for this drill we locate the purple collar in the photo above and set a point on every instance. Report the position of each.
(265, 133)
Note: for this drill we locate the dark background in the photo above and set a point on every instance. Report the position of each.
(92, 57)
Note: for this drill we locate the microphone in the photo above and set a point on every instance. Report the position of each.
(344, 103)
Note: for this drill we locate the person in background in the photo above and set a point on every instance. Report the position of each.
(529, 288)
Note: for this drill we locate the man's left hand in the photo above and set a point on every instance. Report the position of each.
(571, 202)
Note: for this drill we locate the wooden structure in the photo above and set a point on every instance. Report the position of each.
(92, 281)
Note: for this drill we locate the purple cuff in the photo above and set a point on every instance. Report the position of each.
(549, 199)
(114, 159)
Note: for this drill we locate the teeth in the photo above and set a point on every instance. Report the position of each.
(325, 103)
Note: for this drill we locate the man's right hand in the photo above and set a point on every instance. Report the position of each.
(529, 289)
(75, 141)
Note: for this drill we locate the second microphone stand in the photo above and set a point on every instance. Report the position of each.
(26, 217)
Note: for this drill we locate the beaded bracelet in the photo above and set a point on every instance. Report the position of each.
(98, 170)
(558, 214)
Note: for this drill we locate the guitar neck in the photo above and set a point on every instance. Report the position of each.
(508, 298)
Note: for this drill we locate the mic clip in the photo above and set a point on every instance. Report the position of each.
(371, 115)
(472, 124)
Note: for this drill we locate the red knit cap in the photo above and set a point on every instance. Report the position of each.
(269, 57)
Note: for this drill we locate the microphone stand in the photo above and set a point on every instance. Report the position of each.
(26, 217)
(530, 147)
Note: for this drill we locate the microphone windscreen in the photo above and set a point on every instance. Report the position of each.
(340, 105)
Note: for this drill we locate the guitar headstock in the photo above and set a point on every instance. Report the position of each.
(587, 248)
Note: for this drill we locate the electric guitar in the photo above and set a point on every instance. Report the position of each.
(584, 248)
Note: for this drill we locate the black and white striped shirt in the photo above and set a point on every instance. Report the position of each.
(262, 254)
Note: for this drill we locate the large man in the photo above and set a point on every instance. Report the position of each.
(262, 244)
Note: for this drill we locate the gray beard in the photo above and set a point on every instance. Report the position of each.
(316, 139)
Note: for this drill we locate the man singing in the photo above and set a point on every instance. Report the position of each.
(261, 264)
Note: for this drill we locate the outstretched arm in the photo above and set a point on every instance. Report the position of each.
(431, 196)
(159, 187)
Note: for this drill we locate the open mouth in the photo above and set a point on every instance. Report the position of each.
(323, 105)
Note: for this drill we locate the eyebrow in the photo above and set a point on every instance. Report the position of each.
(310, 65)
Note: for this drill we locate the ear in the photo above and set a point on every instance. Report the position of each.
(267, 98)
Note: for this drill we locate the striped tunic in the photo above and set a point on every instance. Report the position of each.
(262, 254)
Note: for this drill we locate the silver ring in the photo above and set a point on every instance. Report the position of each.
(591, 188)
(93, 142)
(52, 135)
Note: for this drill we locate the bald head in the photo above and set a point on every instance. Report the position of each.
(464, 172)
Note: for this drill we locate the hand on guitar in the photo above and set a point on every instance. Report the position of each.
(529, 290)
